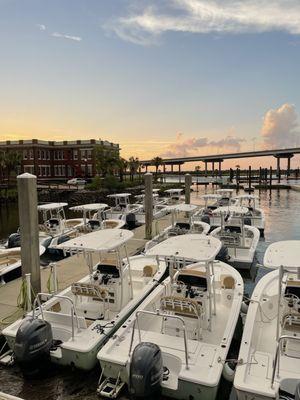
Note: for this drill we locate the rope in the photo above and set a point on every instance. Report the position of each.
(22, 301)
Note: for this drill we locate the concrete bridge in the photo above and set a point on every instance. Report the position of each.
(219, 158)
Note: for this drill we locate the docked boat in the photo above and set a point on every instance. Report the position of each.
(239, 240)
(226, 196)
(205, 213)
(173, 196)
(182, 223)
(178, 338)
(269, 358)
(123, 209)
(94, 217)
(10, 263)
(255, 215)
(160, 207)
(75, 323)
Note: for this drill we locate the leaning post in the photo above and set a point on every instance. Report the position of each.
(148, 205)
(188, 184)
(28, 217)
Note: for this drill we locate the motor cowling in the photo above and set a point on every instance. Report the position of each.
(14, 240)
(206, 219)
(131, 220)
(146, 371)
(32, 346)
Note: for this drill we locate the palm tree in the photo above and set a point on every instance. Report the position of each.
(13, 160)
(123, 165)
(156, 161)
(133, 164)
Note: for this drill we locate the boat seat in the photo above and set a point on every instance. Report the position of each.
(110, 224)
(227, 282)
(89, 290)
(185, 307)
(8, 260)
(150, 270)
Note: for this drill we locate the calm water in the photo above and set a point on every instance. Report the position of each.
(282, 210)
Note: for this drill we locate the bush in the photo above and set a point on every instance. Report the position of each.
(111, 183)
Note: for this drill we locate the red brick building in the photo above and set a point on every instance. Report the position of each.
(50, 160)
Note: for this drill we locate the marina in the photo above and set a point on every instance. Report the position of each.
(74, 268)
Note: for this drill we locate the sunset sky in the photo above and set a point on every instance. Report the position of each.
(167, 78)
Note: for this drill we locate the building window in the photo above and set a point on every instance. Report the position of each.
(39, 154)
(25, 155)
(31, 154)
(89, 154)
(90, 170)
(48, 155)
(75, 154)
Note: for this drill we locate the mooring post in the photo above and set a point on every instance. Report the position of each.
(259, 179)
(188, 184)
(28, 217)
(249, 177)
(270, 178)
(148, 205)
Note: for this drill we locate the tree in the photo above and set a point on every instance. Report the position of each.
(106, 160)
(123, 165)
(2, 165)
(156, 161)
(133, 164)
(13, 160)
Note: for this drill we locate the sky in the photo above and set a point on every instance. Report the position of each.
(161, 77)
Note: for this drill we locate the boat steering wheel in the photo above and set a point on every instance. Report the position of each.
(291, 300)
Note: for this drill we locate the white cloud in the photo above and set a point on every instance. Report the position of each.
(64, 36)
(206, 16)
(41, 27)
(280, 127)
(191, 146)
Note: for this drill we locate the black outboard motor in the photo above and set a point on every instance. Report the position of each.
(14, 240)
(131, 220)
(32, 346)
(223, 254)
(205, 218)
(146, 371)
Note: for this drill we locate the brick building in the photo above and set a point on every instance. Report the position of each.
(50, 160)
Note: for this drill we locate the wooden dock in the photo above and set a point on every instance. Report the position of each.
(69, 270)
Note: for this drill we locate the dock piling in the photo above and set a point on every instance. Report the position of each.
(148, 205)
(188, 184)
(28, 217)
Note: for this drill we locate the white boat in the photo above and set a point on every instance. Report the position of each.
(255, 215)
(205, 213)
(84, 315)
(174, 196)
(123, 209)
(239, 239)
(159, 207)
(94, 217)
(10, 260)
(55, 228)
(182, 223)
(269, 358)
(178, 338)
(226, 196)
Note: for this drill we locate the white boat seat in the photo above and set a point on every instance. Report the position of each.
(89, 290)
(227, 282)
(150, 270)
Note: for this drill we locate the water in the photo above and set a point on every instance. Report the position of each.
(282, 211)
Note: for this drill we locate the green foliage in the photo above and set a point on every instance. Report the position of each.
(111, 183)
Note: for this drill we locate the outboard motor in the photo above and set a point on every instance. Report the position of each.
(32, 346)
(131, 220)
(223, 254)
(14, 240)
(146, 371)
(205, 218)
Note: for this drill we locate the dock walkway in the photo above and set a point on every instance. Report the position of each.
(69, 270)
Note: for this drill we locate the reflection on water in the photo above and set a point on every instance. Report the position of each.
(282, 210)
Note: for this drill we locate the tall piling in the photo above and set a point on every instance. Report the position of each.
(188, 184)
(148, 205)
(270, 186)
(28, 217)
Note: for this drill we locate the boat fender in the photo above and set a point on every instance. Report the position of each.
(229, 371)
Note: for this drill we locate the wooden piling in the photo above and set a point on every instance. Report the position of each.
(28, 217)
(188, 184)
(148, 205)
(270, 185)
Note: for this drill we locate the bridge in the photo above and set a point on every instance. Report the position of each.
(219, 158)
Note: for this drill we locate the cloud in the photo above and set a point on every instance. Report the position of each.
(280, 127)
(191, 146)
(157, 17)
(64, 36)
(41, 27)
